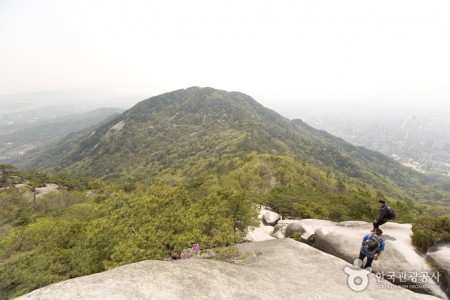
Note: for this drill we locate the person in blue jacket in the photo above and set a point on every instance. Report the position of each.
(372, 247)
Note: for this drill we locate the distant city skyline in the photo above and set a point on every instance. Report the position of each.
(285, 54)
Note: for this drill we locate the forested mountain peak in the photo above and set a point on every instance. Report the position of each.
(203, 106)
(188, 131)
(191, 122)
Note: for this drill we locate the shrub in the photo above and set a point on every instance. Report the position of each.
(228, 254)
(429, 230)
(298, 237)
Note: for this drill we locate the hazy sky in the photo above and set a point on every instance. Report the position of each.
(279, 52)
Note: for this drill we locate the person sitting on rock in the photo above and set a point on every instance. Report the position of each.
(372, 246)
(383, 215)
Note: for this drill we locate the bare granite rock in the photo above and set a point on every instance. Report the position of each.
(259, 234)
(400, 257)
(275, 269)
(307, 227)
(41, 191)
(439, 256)
(270, 218)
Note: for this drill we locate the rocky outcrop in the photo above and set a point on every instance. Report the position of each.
(270, 218)
(309, 274)
(21, 186)
(265, 230)
(306, 228)
(41, 191)
(259, 234)
(439, 256)
(401, 263)
(279, 230)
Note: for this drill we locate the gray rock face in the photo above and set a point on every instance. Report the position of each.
(41, 191)
(344, 239)
(264, 231)
(304, 230)
(21, 186)
(259, 234)
(279, 231)
(439, 256)
(271, 218)
(307, 227)
(312, 274)
(351, 223)
(400, 257)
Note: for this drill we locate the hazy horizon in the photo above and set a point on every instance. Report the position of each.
(287, 55)
(305, 110)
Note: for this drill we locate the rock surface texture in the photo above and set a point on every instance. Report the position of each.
(439, 256)
(310, 274)
(400, 263)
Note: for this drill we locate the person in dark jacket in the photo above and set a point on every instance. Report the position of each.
(383, 215)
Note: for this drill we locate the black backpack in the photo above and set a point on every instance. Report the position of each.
(391, 213)
(373, 244)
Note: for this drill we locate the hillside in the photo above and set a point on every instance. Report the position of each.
(191, 132)
(15, 144)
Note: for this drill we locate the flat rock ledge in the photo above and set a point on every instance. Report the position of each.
(272, 269)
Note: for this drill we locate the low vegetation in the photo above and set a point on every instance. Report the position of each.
(72, 233)
(427, 231)
(89, 226)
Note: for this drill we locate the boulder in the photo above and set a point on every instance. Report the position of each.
(400, 257)
(305, 231)
(306, 227)
(21, 186)
(279, 231)
(439, 256)
(262, 211)
(271, 218)
(41, 191)
(259, 234)
(310, 274)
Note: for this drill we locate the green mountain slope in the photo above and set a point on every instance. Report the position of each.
(186, 132)
(48, 132)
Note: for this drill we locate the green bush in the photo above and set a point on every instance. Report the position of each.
(298, 237)
(429, 230)
(228, 254)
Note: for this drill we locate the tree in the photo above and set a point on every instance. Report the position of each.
(5, 172)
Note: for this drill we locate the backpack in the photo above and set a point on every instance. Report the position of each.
(373, 244)
(391, 213)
